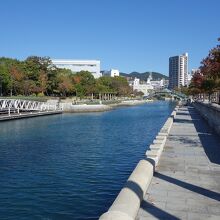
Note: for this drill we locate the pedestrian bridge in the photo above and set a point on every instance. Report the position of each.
(168, 93)
(17, 105)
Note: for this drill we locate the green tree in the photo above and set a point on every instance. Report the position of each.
(104, 84)
(65, 82)
(121, 87)
(208, 86)
(6, 65)
(43, 78)
(80, 90)
(17, 77)
(84, 83)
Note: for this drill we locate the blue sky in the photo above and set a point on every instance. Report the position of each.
(130, 35)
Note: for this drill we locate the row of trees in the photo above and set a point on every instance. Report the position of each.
(207, 79)
(38, 76)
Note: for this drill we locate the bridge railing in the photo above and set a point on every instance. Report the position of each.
(26, 105)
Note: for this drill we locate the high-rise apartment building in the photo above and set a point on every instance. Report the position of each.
(178, 71)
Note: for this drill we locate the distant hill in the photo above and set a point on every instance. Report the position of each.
(144, 76)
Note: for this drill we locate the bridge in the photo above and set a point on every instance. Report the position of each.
(12, 108)
(168, 93)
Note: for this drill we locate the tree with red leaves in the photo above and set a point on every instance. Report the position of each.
(207, 80)
(16, 76)
(211, 64)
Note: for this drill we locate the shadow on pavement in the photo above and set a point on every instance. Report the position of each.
(197, 189)
(209, 139)
(157, 212)
(148, 207)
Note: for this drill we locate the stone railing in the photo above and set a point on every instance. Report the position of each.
(211, 113)
(128, 201)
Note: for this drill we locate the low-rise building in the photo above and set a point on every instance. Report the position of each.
(145, 87)
(157, 84)
(92, 66)
(149, 85)
(111, 73)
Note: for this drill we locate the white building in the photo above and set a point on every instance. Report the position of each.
(93, 66)
(158, 84)
(111, 73)
(142, 87)
(178, 71)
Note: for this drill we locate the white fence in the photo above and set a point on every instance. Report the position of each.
(17, 105)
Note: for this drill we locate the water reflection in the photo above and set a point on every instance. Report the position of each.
(72, 166)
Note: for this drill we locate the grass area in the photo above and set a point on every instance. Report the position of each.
(31, 98)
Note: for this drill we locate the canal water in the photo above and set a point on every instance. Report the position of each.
(72, 166)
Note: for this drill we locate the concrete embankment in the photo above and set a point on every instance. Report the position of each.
(27, 115)
(211, 113)
(131, 102)
(69, 107)
(127, 203)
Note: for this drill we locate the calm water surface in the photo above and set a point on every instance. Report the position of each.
(72, 166)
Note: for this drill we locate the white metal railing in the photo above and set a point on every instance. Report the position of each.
(18, 105)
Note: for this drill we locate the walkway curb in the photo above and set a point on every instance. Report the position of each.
(127, 203)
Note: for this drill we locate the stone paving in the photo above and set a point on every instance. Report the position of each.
(186, 183)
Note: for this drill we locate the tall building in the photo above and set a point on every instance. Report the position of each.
(93, 66)
(178, 71)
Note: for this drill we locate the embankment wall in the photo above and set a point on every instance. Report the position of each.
(211, 113)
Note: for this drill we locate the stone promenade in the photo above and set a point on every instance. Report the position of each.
(186, 184)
